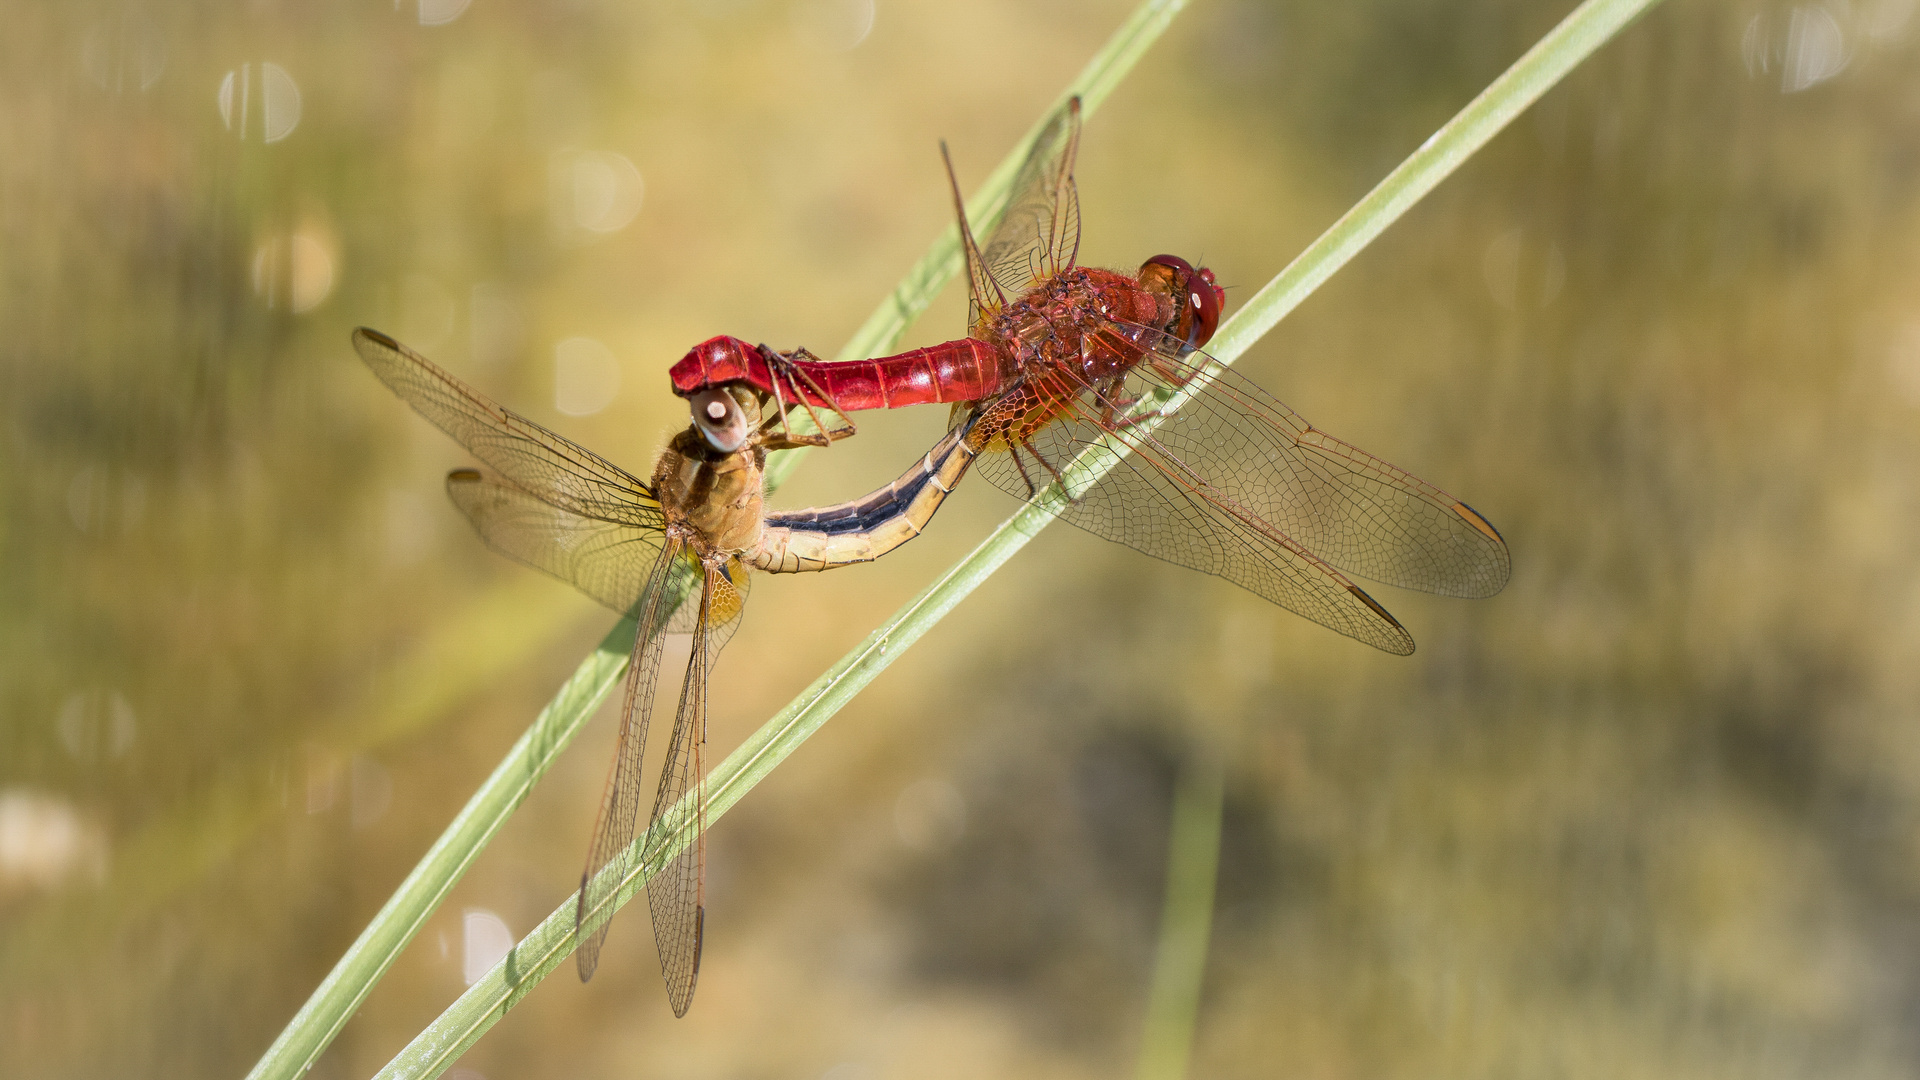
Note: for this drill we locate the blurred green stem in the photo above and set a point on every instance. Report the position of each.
(314, 1027)
(1186, 920)
(1582, 32)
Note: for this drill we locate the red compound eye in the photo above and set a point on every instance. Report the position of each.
(1205, 298)
(1200, 297)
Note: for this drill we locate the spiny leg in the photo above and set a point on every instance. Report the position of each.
(1113, 406)
(1116, 405)
(772, 359)
(1126, 422)
(797, 376)
(1014, 449)
(787, 377)
(776, 372)
(1027, 445)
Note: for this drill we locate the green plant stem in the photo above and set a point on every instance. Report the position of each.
(1579, 35)
(1186, 920)
(334, 1001)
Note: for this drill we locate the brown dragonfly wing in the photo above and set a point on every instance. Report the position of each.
(1349, 508)
(1149, 503)
(1039, 233)
(607, 560)
(551, 468)
(676, 893)
(610, 856)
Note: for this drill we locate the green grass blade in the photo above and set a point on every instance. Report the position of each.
(310, 1031)
(1578, 36)
(1186, 920)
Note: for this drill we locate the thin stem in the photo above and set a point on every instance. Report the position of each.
(1578, 36)
(1186, 920)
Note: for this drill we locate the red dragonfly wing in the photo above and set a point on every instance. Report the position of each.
(531, 458)
(1039, 233)
(1237, 485)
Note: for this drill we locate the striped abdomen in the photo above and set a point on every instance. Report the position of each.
(862, 530)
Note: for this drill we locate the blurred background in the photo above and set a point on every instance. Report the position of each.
(1652, 811)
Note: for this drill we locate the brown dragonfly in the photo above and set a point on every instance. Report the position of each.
(675, 553)
(1064, 362)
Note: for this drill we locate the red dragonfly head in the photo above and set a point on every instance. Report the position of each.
(1197, 297)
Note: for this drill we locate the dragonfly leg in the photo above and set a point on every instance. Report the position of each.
(1048, 465)
(1177, 374)
(780, 372)
(788, 380)
(1114, 406)
(797, 378)
(1125, 422)
(1014, 449)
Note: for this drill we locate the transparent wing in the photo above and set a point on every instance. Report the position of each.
(1039, 234)
(610, 856)
(528, 456)
(676, 892)
(1149, 504)
(606, 560)
(1237, 485)
(1355, 511)
(983, 293)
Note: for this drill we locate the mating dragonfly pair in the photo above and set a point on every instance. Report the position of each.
(1061, 369)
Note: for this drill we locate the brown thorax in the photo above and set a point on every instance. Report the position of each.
(710, 479)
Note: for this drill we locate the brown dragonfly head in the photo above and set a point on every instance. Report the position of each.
(727, 416)
(1197, 297)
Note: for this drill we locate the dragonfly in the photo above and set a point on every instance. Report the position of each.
(674, 551)
(1064, 362)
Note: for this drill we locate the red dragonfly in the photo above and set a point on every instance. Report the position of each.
(675, 554)
(1065, 361)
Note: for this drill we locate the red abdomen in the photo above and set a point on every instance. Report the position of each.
(962, 370)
